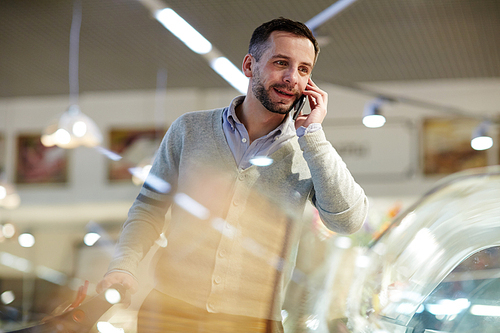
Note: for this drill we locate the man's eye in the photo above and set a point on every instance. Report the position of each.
(304, 70)
(281, 63)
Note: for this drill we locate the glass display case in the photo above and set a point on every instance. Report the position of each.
(436, 268)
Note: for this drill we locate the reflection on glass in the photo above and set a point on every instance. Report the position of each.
(432, 267)
(467, 299)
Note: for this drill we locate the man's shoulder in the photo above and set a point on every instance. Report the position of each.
(198, 116)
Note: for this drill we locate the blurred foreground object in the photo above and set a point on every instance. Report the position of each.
(437, 267)
(80, 316)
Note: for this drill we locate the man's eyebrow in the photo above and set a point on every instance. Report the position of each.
(282, 56)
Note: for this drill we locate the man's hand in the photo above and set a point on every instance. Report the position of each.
(318, 101)
(125, 279)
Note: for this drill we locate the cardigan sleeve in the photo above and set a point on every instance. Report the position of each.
(341, 202)
(146, 216)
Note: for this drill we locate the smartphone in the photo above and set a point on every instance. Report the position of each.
(298, 106)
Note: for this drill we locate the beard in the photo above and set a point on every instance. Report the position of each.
(264, 98)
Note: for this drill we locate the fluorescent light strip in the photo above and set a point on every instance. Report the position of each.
(328, 13)
(230, 73)
(197, 43)
(183, 30)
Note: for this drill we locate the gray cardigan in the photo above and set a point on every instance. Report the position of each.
(233, 234)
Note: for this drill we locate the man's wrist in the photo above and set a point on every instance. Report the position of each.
(301, 131)
(116, 270)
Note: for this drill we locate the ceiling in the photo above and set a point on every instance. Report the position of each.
(122, 47)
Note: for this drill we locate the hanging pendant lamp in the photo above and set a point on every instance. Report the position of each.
(73, 128)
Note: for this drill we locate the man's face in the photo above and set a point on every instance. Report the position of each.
(281, 74)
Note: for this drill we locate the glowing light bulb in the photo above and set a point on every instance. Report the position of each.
(374, 121)
(26, 240)
(62, 137)
(3, 192)
(48, 140)
(91, 238)
(79, 129)
(481, 143)
(7, 297)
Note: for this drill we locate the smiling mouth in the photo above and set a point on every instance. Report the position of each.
(281, 92)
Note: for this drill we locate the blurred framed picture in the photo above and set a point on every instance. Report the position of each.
(446, 146)
(135, 146)
(37, 164)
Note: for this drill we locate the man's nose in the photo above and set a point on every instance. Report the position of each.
(291, 76)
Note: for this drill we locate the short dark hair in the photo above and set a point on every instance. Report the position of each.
(262, 33)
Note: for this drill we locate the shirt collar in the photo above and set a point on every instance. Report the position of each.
(231, 115)
(287, 126)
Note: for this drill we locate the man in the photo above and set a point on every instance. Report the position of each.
(233, 231)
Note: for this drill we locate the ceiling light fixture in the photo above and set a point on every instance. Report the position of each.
(197, 43)
(372, 116)
(230, 73)
(73, 128)
(26, 239)
(328, 13)
(141, 171)
(91, 238)
(480, 139)
(183, 30)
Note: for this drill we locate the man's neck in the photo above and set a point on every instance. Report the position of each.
(257, 119)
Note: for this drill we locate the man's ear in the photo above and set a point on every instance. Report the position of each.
(248, 65)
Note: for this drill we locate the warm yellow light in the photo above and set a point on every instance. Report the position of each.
(71, 130)
(48, 140)
(62, 137)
